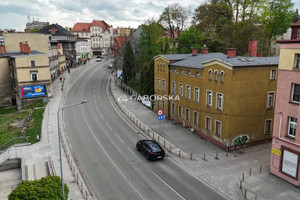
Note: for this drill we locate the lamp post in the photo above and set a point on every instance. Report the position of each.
(59, 143)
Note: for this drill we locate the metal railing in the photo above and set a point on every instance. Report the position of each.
(12, 142)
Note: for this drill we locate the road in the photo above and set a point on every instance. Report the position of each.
(104, 145)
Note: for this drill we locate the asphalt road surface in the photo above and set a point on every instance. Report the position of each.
(104, 145)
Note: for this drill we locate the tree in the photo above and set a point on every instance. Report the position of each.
(147, 78)
(174, 19)
(128, 63)
(189, 39)
(276, 18)
(48, 187)
(33, 30)
(296, 16)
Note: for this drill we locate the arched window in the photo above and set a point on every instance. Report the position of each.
(209, 74)
(216, 75)
(222, 76)
(158, 66)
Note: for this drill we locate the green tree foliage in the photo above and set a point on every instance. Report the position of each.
(189, 39)
(147, 78)
(48, 187)
(128, 63)
(33, 30)
(276, 18)
(174, 19)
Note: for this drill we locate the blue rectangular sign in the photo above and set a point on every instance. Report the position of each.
(161, 117)
(33, 91)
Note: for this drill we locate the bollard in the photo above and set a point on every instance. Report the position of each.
(179, 153)
(158, 139)
(245, 194)
(241, 184)
(77, 178)
(227, 153)
(243, 177)
(250, 172)
(216, 156)
(191, 156)
(260, 169)
(204, 157)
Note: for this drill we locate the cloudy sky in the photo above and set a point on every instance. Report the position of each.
(122, 13)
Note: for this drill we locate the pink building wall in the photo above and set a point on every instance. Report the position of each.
(283, 109)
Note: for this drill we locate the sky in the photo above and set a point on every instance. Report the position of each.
(119, 13)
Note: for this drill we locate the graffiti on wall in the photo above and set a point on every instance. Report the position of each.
(240, 140)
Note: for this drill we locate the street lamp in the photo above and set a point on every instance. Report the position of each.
(59, 143)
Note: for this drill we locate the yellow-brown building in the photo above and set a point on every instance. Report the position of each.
(27, 64)
(226, 99)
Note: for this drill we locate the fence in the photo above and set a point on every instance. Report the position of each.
(13, 141)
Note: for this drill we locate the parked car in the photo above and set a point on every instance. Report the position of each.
(151, 149)
(98, 59)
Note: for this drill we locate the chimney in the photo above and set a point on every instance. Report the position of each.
(21, 47)
(194, 51)
(53, 30)
(26, 30)
(204, 50)
(231, 52)
(252, 49)
(2, 49)
(26, 49)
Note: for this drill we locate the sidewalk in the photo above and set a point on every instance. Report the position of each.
(212, 165)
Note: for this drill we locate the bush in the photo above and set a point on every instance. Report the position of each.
(48, 187)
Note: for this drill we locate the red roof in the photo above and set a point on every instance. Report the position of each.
(85, 27)
(297, 23)
(118, 42)
(81, 27)
(102, 24)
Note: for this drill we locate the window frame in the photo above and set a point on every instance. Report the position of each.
(164, 85)
(208, 128)
(222, 74)
(216, 129)
(187, 114)
(32, 63)
(173, 87)
(180, 89)
(273, 75)
(209, 74)
(289, 127)
(158, 83)
(180, 110)
(272, 95)
(188, 92)
(209, 93)
(216, 75)
(270, 128)
(196, 94)
(297, 60)
(195, 118)
(34, 73)
(217, 100)
(293, 92)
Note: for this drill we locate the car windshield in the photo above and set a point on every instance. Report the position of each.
(154, 147)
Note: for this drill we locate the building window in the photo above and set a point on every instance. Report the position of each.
(181, 71)
(222, 76)
(209, 74)
(163, 104)
(196, 117)
(297, 61)
(187, 114)
(173, 108)
(34, 76)
(268, 127)
(209, 98)
(188, 91)
(180, 89)
(197, 74)
(32, 63)
(196, 94)
(179, 110)
(298, 34)
(208, 123)
(158, 84)
(189, 72)
(273, 74)
(163, 67)
(219, 101)
(218, 128)
(174, 87)
(292, 127)
(216, 75)
(295, 93)
(270, 100)
(164, 85)
(158, 103)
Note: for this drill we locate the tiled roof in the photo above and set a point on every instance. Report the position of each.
(101, 24)
(81, 27)
(59, 30)
(188, 60)
(297, 23)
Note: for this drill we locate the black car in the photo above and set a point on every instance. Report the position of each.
(151, 149)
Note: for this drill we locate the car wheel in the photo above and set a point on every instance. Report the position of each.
(137, 147)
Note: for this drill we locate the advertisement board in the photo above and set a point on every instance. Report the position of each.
(33, 91)
(290, 163)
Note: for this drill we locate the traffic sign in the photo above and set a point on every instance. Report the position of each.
(161, 117)
(160, 112)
